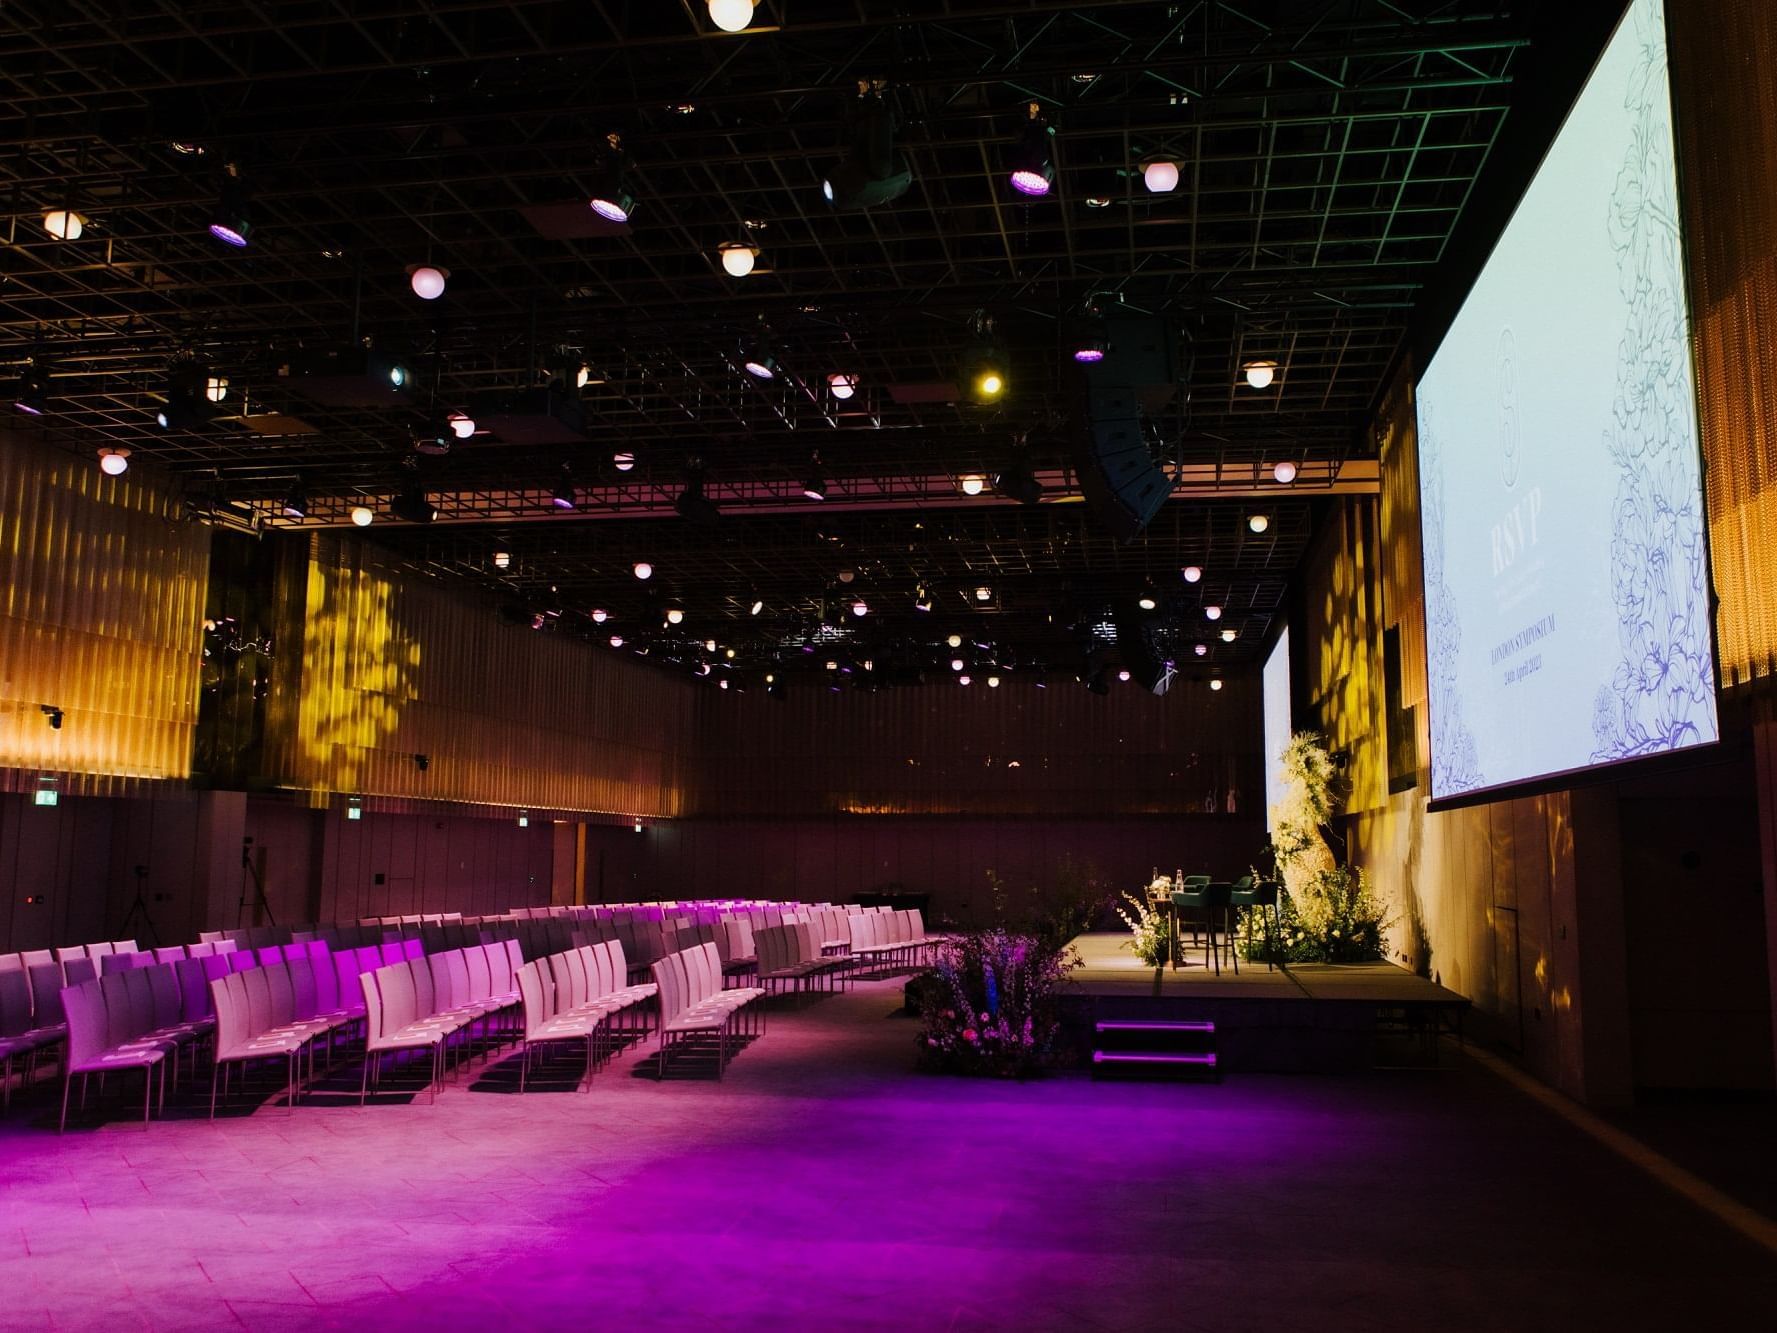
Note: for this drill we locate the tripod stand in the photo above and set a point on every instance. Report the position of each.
(254, 896)
(136, 922)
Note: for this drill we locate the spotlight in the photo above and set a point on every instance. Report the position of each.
(993, 682)
(215, 388)
(1212, 613)
(624, 461)
(411, 506)
(1258, 522)
(1192, 573)
(1160, 177)
(871, 172)
(1215, 684)
(461, 424)
(843, 386)
(760, 363)
(847, 575)
(1090, 341)
(860, 608)
(922, 600)
(832, 665)
(427, 282)
(1284, 473)
(962, 680)
(1031, 167)
(228, 221)
(723, 682)
(955, 641)
(709, 645)
(1229, 635)
(675, 615)
(617, 641)
(611, 198)
(502, 560)
(815, 488)
(643, 570)
(1259, 374)
(1018, 480)
(1147, 602)
(64, 224)
(956, 664)
(732, 15)
(296, 503)
(984, 365)
(114, 461)
(758, 605)
(600, 615)
(1123, 676)
(54, 715)
(738, 258)
(984, 594)
(188, 405)
(582, 377)
(728, 654)
(563, 497)
(973, 483)
(362, 516)
(32, 394)
(1202, 650)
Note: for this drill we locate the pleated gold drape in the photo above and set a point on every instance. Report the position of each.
(101, 605)
(394, 665)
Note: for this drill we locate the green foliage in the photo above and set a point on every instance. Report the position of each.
(991, 1007)
(1150, 931)
(1334, 918)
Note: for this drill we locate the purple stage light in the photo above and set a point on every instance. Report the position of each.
(227, 234)
(1030, 182)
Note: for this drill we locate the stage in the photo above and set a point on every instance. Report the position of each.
(1306, 1017)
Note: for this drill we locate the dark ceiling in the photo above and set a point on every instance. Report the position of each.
(1326, 151)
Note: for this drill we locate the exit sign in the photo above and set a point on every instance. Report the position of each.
(47, 796)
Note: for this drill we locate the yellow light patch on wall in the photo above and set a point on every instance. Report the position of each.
(101, 605)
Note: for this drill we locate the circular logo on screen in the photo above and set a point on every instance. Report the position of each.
(1508, 407)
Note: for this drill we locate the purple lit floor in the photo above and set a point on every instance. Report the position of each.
(825, 1185)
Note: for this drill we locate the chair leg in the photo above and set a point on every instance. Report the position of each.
(67, 1082)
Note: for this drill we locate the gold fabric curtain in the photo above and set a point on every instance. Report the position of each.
(101, 605)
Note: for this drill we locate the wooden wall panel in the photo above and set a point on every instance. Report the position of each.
(101, 606)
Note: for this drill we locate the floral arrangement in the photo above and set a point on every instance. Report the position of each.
(1150, 929)
(991, 1008)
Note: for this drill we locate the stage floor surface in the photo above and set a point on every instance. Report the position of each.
(1112, 970)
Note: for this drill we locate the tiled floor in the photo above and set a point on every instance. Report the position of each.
(825, 1185)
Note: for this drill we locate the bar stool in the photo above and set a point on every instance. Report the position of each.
(1262, 897)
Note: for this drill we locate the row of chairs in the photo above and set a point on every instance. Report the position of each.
(695, 1003)
(794, 954)
(576, 996)
(423, 1003)
(897, 938)
(133, 1019)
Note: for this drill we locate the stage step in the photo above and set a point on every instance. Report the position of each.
(1155, 1048)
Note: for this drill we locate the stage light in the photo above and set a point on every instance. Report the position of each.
(617, 641)
(1147, 602)
(1212, 613)
(1259, 374)
(624, 461)
(64, 224)
(860, 608)
(1123, 676)
(642, 570)
(1192, 573)
(847, 575)
(461, 424)
(31, 396)
(362, 516)
(1215, 684)
(1018, 480)
(1090, 341)
(502, 559)
(1030, 165)
(760, 363)
(988, 384)
(675, 615)
(842, 385)
(709, 645)
(728, 654)
(600, 615)
(758, 605)
(296, 503)
(815, 488)
(1284, 473)
(732, 15)
(738, 258)
(984, 594)
(397, 376)
(956, 664)
(723, 682)
(228, 221)
(1202, 650)
(114, 461)
(563, 497)
(973, 483)
(216, 388)
(427, 282)
(871, 173)
(1229, 635)
(832, 665)
(611, 198)
(1258, 522)
(993, 682)
(922, 600)
(962, 680)
(1160, 177)
(770, 678)
(955, 641)
(411, 506)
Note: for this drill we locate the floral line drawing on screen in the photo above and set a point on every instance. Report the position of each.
(1661, 694)
(1455, 766)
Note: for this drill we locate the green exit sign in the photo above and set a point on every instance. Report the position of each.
(47, 796)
